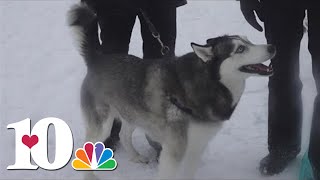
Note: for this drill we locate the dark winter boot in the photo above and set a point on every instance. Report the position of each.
(275, 162)
(112, 141)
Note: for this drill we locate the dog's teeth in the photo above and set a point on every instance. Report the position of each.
(267, 62)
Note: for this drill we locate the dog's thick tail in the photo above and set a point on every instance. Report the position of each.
(85, 27)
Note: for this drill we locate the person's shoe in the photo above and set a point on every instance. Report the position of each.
(111, 143)
(275, 163)
(113, 140)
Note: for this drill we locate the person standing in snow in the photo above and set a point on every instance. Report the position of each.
(116, 20)
(283, 22)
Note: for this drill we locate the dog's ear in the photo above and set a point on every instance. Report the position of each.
(203, 52)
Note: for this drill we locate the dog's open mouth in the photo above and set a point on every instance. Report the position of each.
(260, 69)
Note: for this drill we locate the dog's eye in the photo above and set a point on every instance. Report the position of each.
(240, 49)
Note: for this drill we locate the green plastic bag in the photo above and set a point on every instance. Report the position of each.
(306, 172)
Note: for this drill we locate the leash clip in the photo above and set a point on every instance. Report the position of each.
(164, 49)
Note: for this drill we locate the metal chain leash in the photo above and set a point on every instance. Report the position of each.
(164, 49)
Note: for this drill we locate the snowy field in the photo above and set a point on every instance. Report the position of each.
(41, 73)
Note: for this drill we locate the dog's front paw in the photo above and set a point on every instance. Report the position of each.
(139, 159)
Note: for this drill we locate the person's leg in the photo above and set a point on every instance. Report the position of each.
(116, 20)
(284, 29)
(164, 19)
(314, 48)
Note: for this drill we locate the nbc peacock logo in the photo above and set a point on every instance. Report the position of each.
(94, 157)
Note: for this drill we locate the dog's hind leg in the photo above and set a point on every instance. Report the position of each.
(98, 126)
(126, 140)
(99, 123)
(99, 116)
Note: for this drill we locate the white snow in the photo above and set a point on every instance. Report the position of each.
(41, 72)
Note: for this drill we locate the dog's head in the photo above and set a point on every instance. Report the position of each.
(236, 56)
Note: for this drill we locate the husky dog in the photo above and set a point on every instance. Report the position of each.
(180, 102)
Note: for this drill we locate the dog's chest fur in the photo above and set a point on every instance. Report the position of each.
(198, 132)
(235, 86)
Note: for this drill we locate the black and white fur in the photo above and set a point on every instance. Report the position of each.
(180, 102)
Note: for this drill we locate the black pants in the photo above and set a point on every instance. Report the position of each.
(117, 20)
(284, 29)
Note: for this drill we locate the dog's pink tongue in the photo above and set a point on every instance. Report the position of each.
(261, 67)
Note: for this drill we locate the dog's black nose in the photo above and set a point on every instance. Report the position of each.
(271, 49)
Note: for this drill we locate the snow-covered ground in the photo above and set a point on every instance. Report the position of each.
(41, 73)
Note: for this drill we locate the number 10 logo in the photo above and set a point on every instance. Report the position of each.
(35, 144)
